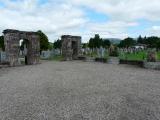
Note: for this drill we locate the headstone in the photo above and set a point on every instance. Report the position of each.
(2, 57)
(57, 51)
(151, 56)
(101, 52)
(45, 54)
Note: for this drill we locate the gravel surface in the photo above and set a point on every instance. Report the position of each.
(79, 91)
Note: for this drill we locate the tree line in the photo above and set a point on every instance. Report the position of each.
(150, 42)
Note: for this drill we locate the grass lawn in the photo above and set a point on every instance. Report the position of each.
(133, 56)
(158, 55)
(136, 56)
(57, 58)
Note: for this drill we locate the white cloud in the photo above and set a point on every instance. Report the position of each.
(125, 9)
(153, 31)
(58, 17)
(32, 17)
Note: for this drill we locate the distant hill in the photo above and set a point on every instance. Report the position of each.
(113, 40)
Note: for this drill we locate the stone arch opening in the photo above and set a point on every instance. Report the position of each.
(23, 51)
(12, 39)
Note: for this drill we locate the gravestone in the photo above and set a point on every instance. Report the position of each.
(3, 57)
(45, 54)
(57, 52)
(101, 52)
(151, 57)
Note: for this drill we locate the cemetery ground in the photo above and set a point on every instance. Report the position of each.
(78, 90)
(139, 56)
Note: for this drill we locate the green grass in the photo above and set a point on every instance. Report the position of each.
(57, 58)
(158, 55)
(136, 56)
(133, 56)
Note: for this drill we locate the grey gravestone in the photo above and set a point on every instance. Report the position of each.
(101, 52)
(45, 54)
(2, 57)
(57, 51)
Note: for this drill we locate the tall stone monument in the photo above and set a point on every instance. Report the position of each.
(71, 47)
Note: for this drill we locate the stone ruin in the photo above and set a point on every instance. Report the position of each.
(12, 47)
(71, 47)
(151, 57)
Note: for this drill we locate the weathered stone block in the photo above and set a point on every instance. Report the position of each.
(71, 47)
(11, 40)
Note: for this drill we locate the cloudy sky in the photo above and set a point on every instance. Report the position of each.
(109, 18)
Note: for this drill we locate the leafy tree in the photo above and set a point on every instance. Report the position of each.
(50, 46)
(2, 42)
(106, 43)
(95, 42)
(91, 43)
(158, 44)
(57, 44)
(128, 42)
(140, 40)
(84, 45)
(44, 42)
(151, 42)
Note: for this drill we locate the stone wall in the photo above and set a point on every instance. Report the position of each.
(71, 47)
(11, 40)
(152, 65)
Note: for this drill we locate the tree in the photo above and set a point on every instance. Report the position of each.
(95, 42)
(2, 43)
(152, 42)
(50, 46)
(158, 44)
(91, 43)
(84, 45)
(44, 43)
(106, 43)
(140, 40)
(128, 42)
(57, 44)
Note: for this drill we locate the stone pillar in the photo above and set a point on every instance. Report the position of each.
(11, 41)
(68, 51)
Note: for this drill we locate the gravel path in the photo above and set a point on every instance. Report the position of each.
(79, 91)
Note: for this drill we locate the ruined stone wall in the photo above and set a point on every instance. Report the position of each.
(68, 51)
(11, 40)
